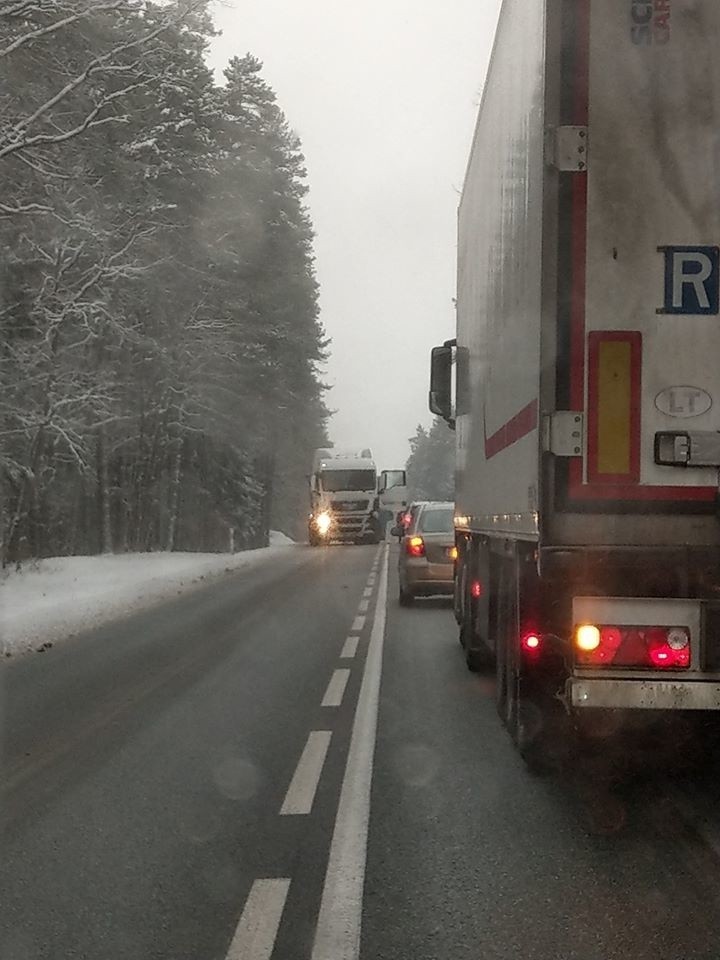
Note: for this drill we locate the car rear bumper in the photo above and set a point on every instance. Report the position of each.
(645, 694)
(423, 577)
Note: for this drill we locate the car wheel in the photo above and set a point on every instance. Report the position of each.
(405, 597)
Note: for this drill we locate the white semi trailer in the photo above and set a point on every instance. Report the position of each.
(586, 369)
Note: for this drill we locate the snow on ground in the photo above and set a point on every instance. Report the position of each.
(52, 599)
(278, 539)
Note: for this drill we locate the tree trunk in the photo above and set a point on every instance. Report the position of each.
(174, 498)
(266, 507)
(103, 490)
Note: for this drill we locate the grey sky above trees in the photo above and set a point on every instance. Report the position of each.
(383, 95)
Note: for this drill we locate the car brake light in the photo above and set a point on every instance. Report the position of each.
(415, 547)
(476, 589)
(662, 648)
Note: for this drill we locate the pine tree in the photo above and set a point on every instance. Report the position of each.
(431, 465)
(158, 302)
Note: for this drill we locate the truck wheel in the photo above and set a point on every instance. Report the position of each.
(544, 734)
(477, 658)
(459, 588)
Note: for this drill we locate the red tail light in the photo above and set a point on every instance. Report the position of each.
(476, 590)
(531, 642)
(415, 547)
(659, 648)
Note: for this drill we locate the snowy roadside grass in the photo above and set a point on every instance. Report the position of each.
(50, 600)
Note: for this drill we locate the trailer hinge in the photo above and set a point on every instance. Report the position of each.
(563, 433)
(569, 149)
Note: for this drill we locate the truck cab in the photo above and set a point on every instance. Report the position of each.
(392, 496)
(343, 490)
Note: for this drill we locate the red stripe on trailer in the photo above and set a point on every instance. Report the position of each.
(515, 429)
(630, 492)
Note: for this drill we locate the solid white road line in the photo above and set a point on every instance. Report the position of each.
(367, 592)
(363, 606)
(358, 624)
(338, 929)
(350, 648)
(256, 932)
(301, 792)
(335, 689)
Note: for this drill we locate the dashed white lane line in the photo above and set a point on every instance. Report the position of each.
(349, 648)
(358, 624)
(367, 592)
(363, 606)
(338, 929)
(336, 688)
(301, 792)
(256, 932)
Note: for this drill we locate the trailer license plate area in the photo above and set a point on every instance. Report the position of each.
(645, 694)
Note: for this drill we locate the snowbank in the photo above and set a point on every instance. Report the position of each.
(278, 539)
(55, 598)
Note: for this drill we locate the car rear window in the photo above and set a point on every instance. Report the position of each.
(436, 521)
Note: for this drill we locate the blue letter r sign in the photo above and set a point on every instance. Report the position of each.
(692, 280)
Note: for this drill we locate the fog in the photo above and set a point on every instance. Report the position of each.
(384, 97)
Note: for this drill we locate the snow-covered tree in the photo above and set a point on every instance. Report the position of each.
(160, 339)
(431, 464)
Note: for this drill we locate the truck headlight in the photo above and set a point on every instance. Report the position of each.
(323, 522)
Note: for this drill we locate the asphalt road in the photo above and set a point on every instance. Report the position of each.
(286, 765)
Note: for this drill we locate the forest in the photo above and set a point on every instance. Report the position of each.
(431, 464)
(160, 337)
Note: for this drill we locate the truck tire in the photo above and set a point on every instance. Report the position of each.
(537, 722)
(477, 659)
(478, 656)
(501, 614)
(460, 596)
(459, 584)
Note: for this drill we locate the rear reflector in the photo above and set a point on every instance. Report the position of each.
(658, 648)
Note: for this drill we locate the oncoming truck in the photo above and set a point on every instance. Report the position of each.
(349, 501)
(584, 380)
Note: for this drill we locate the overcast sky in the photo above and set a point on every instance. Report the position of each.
(383, 95)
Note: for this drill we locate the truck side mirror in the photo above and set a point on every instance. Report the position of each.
(440, 398)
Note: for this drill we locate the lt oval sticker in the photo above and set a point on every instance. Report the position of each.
(683, 402)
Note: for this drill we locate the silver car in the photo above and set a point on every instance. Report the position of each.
(427, 552)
